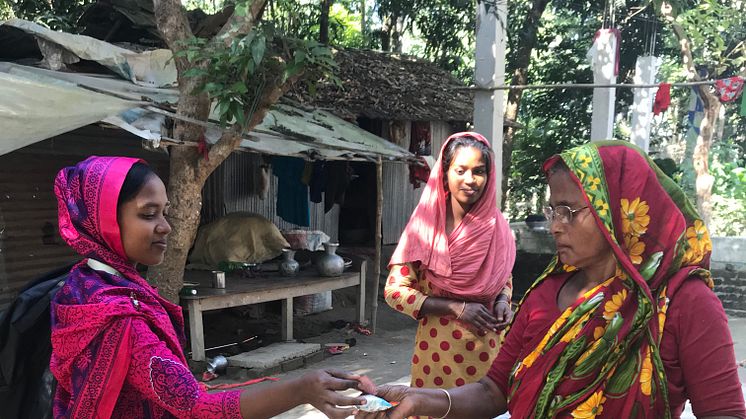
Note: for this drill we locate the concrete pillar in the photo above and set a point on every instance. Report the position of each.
(489, 72)
(642, 106)
(603, 58)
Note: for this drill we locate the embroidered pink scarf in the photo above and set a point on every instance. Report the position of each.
(476, 259)
(91, 347)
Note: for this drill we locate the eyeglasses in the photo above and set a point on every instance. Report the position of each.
(562, 213)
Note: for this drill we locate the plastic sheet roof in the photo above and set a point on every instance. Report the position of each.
(36, 104)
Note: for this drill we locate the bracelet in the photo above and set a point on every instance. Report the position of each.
(449, 403)
(463, 308)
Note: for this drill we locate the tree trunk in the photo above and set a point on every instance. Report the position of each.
(363, 23)
(388, 28)
(521, 60)
(324, 22)
(185, 195)
(396, 35)
(700, 157)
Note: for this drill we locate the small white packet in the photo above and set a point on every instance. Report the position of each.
(374, 404)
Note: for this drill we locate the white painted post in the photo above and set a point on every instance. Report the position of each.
(602, 56)
(489, 107)
(642, 106)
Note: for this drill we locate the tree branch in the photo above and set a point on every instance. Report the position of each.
(687, 59)
(241, 24)
(174, 27)
(231, 140)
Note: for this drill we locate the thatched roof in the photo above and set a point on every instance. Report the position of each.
(380, 85)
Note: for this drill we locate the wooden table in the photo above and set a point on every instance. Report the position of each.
(263, 287)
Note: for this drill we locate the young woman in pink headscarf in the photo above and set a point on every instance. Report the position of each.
(117, 344)
(452, 268)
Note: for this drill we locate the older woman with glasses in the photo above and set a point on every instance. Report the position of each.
(623, 322)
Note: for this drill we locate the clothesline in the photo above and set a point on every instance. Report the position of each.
(583, 86)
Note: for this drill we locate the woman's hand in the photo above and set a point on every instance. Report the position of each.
(503, 313)
(401, 394)
(477, 315)
(319, 388)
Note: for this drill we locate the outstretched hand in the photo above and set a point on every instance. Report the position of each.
(320, 389)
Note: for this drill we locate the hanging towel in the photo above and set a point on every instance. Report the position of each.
(662, 98)
(729, 89)
(318, 181)
(338, 177)
(292, 194)
(419, 174)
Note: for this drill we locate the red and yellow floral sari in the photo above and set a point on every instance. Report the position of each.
(602, 354)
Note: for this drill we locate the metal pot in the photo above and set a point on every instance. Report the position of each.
(330, 263)
(289, 266)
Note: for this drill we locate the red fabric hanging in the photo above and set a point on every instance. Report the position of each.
(729, 89)
(662, 98)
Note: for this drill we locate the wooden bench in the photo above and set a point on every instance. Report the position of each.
(264, 287)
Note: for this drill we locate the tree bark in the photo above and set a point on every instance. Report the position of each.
(324, 22)
(387, 31)
(521, 60)
(363, 23)
(700, 158)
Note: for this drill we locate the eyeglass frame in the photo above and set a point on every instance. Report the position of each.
(550, 213)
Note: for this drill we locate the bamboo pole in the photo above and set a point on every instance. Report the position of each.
(582, 86)
(379, 239)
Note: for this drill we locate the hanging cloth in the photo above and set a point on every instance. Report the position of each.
(318, 181)
(729, 89)
(662, 98)
(338, 178)
(292, 194)
(420, 173)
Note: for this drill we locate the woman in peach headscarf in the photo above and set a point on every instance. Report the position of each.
(451, 270)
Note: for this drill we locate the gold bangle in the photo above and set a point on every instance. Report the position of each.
(449, 403)
(463, 308)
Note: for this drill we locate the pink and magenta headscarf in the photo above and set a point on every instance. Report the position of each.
(474, 262)
(90, 335)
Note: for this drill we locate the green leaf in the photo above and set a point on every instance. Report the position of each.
(241, 9)
(223, 108)
(299, 57)
(248, 39)
(191, 54)
(239, 87)
(257, 49)
(213, 88)
(292, 70)
(195, 72)
(239, 117)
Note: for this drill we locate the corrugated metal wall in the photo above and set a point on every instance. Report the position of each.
(29, 240)
(222, 195)
(399, 197)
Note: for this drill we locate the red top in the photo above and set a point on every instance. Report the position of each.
(697, 348)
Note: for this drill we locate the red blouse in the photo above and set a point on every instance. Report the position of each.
(697, 348)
